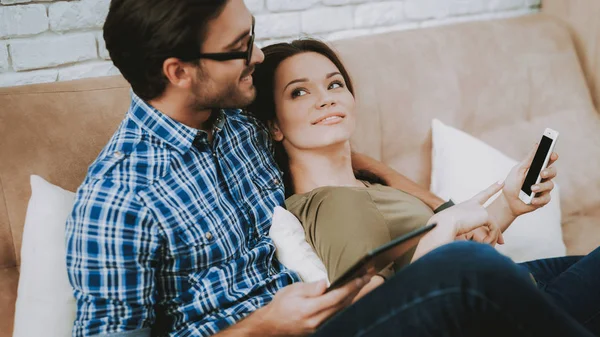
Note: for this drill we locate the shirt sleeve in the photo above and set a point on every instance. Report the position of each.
(343, 225)
(111, 245)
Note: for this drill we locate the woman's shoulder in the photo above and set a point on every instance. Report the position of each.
(328, 199)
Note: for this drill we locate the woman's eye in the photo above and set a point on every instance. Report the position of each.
(298, 93)
(336, 85)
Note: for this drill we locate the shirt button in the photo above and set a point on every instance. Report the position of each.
(276, 182)
(118, 154)
(208, 236)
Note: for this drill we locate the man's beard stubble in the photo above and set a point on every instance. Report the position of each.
(208, 96)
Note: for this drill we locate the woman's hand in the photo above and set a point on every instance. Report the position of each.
(515, 180)
(460, 220)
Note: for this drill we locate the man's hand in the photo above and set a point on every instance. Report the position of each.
(515, 180)
(299, 309)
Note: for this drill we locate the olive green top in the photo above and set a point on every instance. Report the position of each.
(342, 224)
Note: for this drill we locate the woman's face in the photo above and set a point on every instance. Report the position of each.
(313, 105)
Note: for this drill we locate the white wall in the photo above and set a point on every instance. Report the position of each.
(47, 41)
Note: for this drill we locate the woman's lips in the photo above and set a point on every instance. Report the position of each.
(330, 120)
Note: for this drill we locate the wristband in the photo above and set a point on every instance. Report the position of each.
(443, 206)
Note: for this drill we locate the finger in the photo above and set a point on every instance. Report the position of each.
(461, 237)
(542, 187)
(553, 158)
(480, 234)
(526, 163)
(313, 289)
(541, 200)
(549, 173)
(486, 194)
(492, 236)
(323, 315)
(500, 239)
(337, 296)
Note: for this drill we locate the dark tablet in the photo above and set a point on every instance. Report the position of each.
(381, 257)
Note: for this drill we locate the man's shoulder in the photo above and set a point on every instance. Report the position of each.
(132, 157)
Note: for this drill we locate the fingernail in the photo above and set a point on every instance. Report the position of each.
(500, 182)
(535, 188)
(359, 282)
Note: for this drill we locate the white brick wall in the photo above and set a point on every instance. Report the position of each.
(47, 40)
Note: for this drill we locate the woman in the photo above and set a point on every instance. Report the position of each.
(306, 98)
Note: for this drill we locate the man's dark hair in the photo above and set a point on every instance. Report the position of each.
(141, 34)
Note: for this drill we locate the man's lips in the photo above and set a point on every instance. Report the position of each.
(247, 73)
(329, 118)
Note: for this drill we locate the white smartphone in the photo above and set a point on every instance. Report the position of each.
(540, 161)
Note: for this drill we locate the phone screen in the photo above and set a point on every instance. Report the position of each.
(536, 164)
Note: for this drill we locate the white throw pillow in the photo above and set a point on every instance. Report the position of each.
(462, 166)
(292, 249)
(45, 303)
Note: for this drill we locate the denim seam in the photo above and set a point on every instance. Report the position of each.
(591, 318)
(433, 295)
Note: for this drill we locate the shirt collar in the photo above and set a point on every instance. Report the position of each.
(172, 132)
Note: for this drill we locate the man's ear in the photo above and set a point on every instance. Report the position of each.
(275, 131)
(179, 73)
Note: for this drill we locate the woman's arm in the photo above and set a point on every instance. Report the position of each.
(394, 179)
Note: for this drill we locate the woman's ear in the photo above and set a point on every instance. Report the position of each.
(275, 131)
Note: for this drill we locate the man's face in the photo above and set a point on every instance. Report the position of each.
(227, 84)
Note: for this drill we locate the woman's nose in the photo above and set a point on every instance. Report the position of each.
(326, 100)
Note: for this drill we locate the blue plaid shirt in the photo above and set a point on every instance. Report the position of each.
(169, 231)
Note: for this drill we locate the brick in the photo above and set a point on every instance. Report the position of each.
(102, 52)
(277, 25)
(4, 57)
(379, 14)
(395, 28)
(426, 9)
(87, 70)
(347, 34)
(502, 5)
(78, 14)
(327, 19)
(466, 7)
(10, 2)
(255, 6)
(23, 20)
(342, 2)
(45, 52)
(290, 5)
(29, 77)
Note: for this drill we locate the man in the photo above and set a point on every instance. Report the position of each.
(168, 235)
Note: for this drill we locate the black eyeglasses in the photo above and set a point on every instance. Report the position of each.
(247, 55)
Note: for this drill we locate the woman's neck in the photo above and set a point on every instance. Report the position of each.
(330, 166)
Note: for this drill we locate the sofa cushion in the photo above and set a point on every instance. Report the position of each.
(45, 295)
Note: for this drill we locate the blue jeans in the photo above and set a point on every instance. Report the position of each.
(460, 289)
(573, 283)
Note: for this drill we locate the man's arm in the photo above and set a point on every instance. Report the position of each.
(110, 243)
(395, 179)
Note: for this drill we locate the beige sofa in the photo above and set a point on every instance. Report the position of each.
(502, 81)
